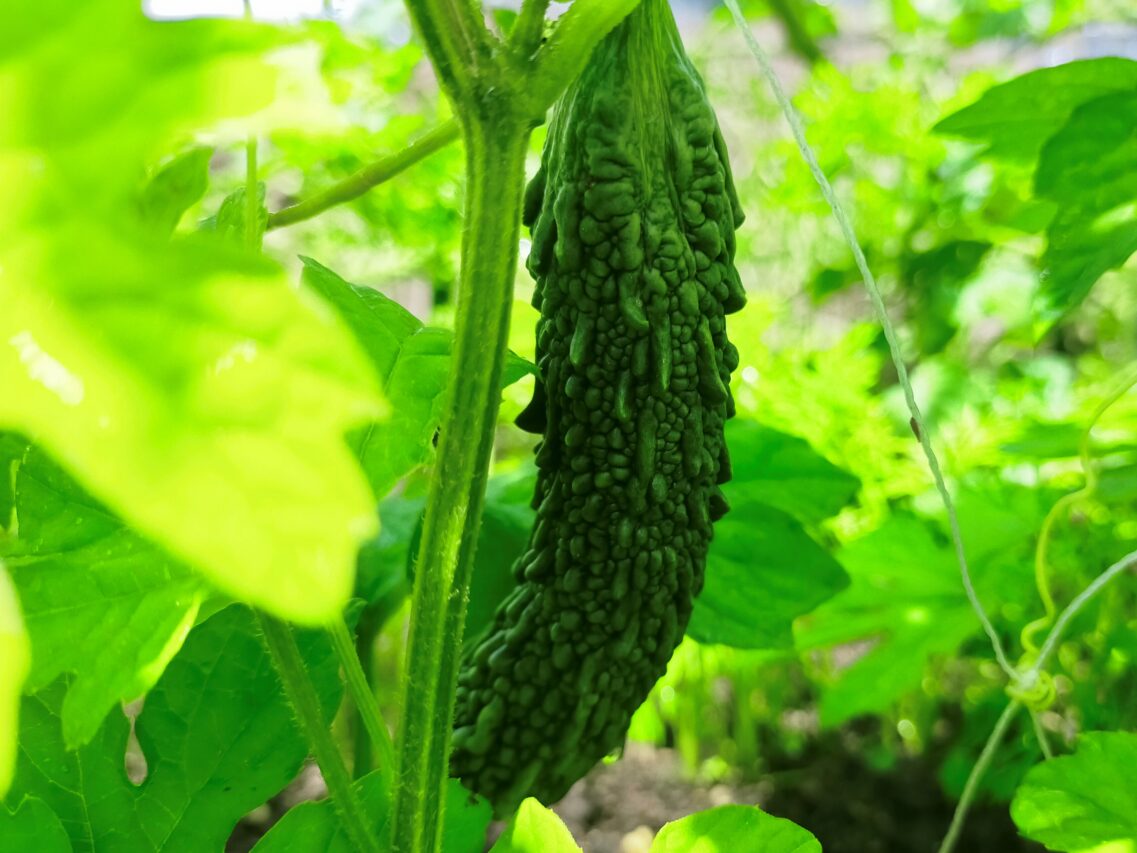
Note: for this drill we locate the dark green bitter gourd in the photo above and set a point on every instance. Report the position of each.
(632, 215)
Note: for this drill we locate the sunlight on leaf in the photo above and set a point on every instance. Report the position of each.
(535, 829)
(734, 828)
(1085, 802)
(15, 652)
(208, 411)
(190, 387)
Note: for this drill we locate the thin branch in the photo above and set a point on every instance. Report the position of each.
(977, 772)
(846, 226)
(530, 27)
(252, 196)
(1066, 616)
(1041, 565)
(302, 695)
(363, 697)
(1040, 735)
(368, 177)
(457, 42)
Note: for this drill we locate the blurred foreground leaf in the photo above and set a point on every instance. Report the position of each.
(188, 386)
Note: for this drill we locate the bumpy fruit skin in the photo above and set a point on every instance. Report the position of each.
(632, 215)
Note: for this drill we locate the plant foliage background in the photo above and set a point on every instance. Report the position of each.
(192, 428)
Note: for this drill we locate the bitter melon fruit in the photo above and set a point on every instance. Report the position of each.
(632, 215)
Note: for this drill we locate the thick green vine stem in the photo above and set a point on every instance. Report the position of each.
(495, 160)
(498, 98)
(302, 695)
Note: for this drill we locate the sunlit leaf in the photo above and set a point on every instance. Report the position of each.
(190, 388)
(782, 471)
(208, 409)
(1089, 168)
(1015, 119)
(1085, 802)
(535, 829)
(734, 828)
(15, 652)
(175, 188)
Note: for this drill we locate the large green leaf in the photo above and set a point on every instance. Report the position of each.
(217, 734)
(734, 828)
(100, 601)
(783, 471)
(1085, 802)
(905, 602)
(189, 387)
(535, 829)
(414, 363)
(1015, 119)
(15, 652)
(1089, 168)
(32, 826)
(763, 571)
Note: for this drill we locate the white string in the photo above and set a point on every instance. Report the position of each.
(839, 214)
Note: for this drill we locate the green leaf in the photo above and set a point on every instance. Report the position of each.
(1089, 168)
(904, 601)
(504, 535)
(535, 829)
(229, 221)
(1082, 803)
(15, 652)
(32, 826)
(763, 571)
(192, 389)
(1015, 119)
(208, 412)
(383, 561)
(465, 821)
(218, 738)
(734, 828)
(99, 601)
(174, 189)
(414, 363)
(314, 825)
(782, 471)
